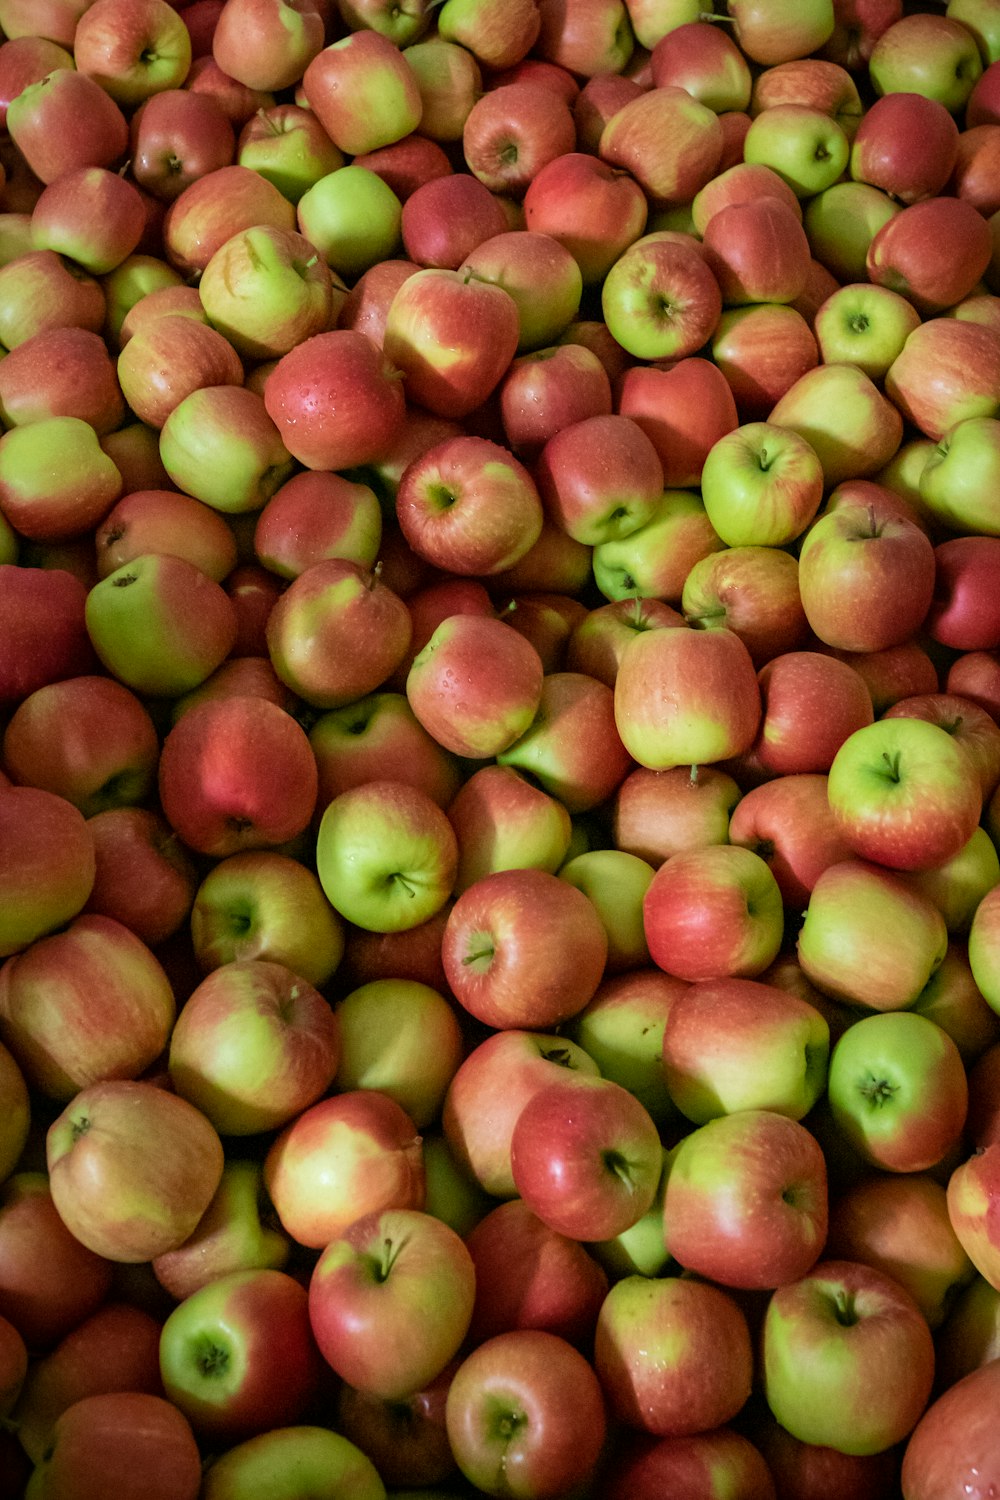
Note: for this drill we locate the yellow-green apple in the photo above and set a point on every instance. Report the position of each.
(885, 150)
(981, 20)
(512, 132)
(267, 44)
(48, 502)
(732, 1044)
(88, 1003)
(708, 679)
(502, 821)
(956, 483)
(402, 1038)
(142, 289)
(673, 1356)
(378, 737)
(593, 209)
(955, 1443)
(363, 91)
(803, 144)
(170, 358)
(254, 1045)
(746, 1200)
(948, 370)
(115, 1348)
(132, 1441)
(841, 945)
(15, 1113)
(787, 822)
(600, 478)
(840, 224)
(352, 218)
(61, 372)
(264, 905)
(704, 60)
(952, 998)
(866, 326)
(66, 120)
(761, 350)
(757, 251)
(235, 1233)
(476, 685)
(900, 255)
(38, 291)
(586, 36)
(660, 300)
(898, 1090)
(866, 582)
(293, 1462)
(316, 515)
(964, 613)
(762, 485)
(506, 1413)
(337, 633)
(586, 1157)
(927, 54)
(221, 445)
(704, 1464)
(349, 1155)
(900, 1225)
(132, 49)
(386, 855)
(452, 337)
(531, 1276)
(288, 146)
(572, 746)
(875, 430)
(883, 773)
(49, 864)
(967, 723)
(215, 801)
(92, 215)
(497, 41)
(87, 739)
(523, 948)
(824, 1338)
(621, 1028)
(176, 136)
(450, 81)
(399, 1272)
(658, 813)
(752, 591)
(684, 407)
(469, 507)
(670, 142)
(238, 1357)
(405, 1439)
(266, 290)
(811, 704)
(132, 1168)
(598, 641)
(488, 1092)
(213, 208)
(49, 1281)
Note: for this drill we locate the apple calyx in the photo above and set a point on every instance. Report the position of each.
(877, 1091)
(212, 1358)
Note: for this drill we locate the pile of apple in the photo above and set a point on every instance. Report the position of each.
(499, 749)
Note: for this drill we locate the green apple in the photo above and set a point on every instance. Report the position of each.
(266, 290)
(960, 482)
(843, 414)
(621, 1029)
(403, 1038)
(616, 882)
(654, 561)
(841, 223)
(864, 325)
(353, 218)
(762, 485)
(933, 55)
(293, 1463)
(288, 146)
(804, 145)
(220, 445)
(503, 821)
(233, 1234)
(451, 1194)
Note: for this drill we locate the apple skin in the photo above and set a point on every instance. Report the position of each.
(898, 1091)
(349, 1155)
(971, 1200)
(927, 54)
(38, 121)
(758, 251)
(800, 691)
(133, 1441)
(946, 371)
(513, 131)
(522, 948)
(380, 736)
(822, 1337)
(704, 1467)
(884, 150)
(506, 1415)
(402, 1038)
(964, 614)
(52, 875)
(955, 1444)
(503, 821)
(364, 92)
(475, 686)
(281, 1461)
(673, 1356)
(762, 485)
(238, 1357)
(746, 1200)
(15, 1112)
(660, 300)
(898, 254)
(175, 137)
(405, 1439)
(712, 913)
(670, 142)
(592, 209)
(399, 1268)
(88, 1003)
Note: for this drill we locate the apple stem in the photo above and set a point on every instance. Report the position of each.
(406, 884)
(694, 776)
(374, 576)
(389, 1252)
(892, 763)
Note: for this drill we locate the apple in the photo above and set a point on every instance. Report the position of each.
(403, 1038)
(507, 1415)
(66, 372)
(66, 120)
(762, 350)
(346, 1156)
(897, 256)
(698, 1465)
(377, 736)
(293, 1462)
(824, 1335)
(133, 50)
(267, 44)
(50, 869)
(235, 1233)
(866, 326)
(898, 1090)
(787, 821)
(593, 209)
(761, 485)
(363, 91)
(237, 1356)
(47, 503)
(169, 359)
(405, 1439)
(49, 1281)
(659, 813)
(752, 591)
(16, 1113)
(926, 54)
(947, 370)
(885, 153)
(572, 745)
(585, 37)
(616, 882)
(757, 251)
(669, 141)
(504, 821)
(176, 136)
(660, 300)
(955, 1441)
(800, 691)
(971, 1189)
(713, 913)
(133, 1440)
(746, 1200)
(804, 144)
(476, 711)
